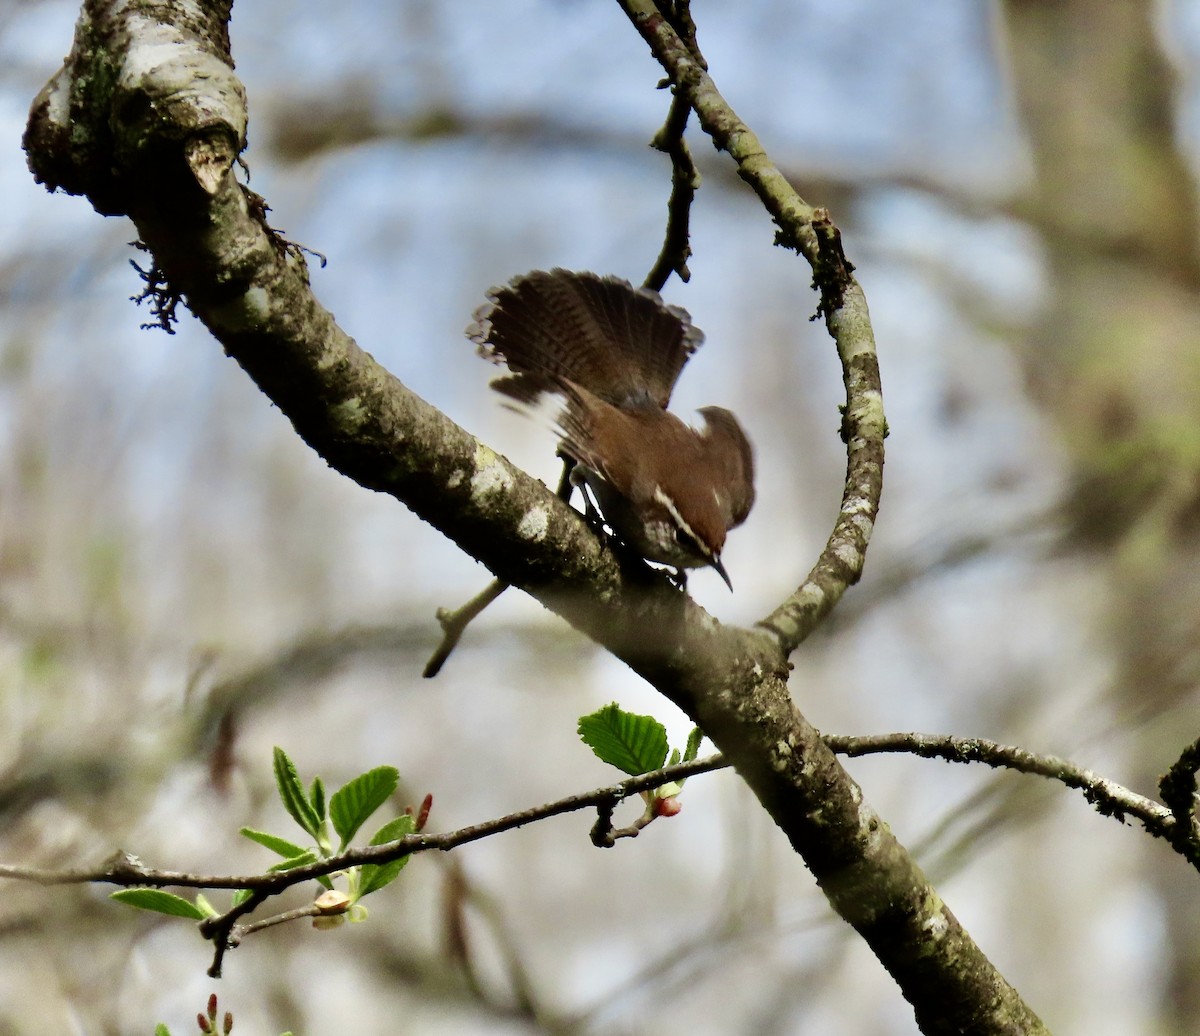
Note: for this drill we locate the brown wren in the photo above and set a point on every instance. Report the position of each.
(608, 356)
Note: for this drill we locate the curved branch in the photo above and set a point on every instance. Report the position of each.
(172, 173)
(843, 305)
(1108, 797)
(868, 877)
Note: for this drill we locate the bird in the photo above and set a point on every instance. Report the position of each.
(606, 356)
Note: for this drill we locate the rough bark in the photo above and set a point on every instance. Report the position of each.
(146, 119)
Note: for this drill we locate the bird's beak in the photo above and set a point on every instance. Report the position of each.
(716, 563)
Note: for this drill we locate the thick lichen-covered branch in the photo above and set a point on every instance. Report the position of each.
(146, 118)
(869, 878)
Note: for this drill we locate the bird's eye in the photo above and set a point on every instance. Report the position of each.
(685, 539)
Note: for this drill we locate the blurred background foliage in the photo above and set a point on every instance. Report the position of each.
(183, 584)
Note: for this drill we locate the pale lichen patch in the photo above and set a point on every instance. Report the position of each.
(534, 524)
(810, 595)
(349, 415)
(248, 312)
(864, 525)
(456, 478)
(491, 476)
(936, 925)
(848, 555)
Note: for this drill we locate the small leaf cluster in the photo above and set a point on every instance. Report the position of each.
(638, 744)
(346, 810)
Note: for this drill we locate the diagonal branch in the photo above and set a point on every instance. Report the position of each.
(869, 879)
(157, 140)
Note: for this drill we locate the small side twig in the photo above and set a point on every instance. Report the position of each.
(221, 930)
(685, 180)
(308, 910)
(832, 271)
(605, 836)
(454, 623)
(685, 177)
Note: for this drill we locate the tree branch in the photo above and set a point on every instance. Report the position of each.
(843, 305)
(685, 180)
(1178, 790)
(226, 933)
(1108, 797)
(127, 870)
(116, 124)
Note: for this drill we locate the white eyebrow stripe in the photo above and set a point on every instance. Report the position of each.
(669, 504)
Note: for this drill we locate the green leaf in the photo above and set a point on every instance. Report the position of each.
(351, 805)
(316, 795)
(394, 830)
(305, 857)
(693, 744)
(278, 845)
(161, 1030)
(160, 902)
(376, 875)
(291, 793)
(674, 757)
(241, 895)
(633, 743)
(206, 908)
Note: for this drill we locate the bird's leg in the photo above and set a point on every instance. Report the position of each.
(591, 511)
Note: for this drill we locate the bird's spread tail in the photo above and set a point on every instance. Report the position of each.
(623, 344)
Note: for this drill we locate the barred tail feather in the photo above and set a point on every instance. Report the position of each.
(623, 344)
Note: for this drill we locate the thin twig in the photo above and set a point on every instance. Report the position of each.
(605, 836)
(123, 869)
(454, 623)
(1177, 825)
(308, 910)
(685, 179)
(1109, 798)
(221, 930)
